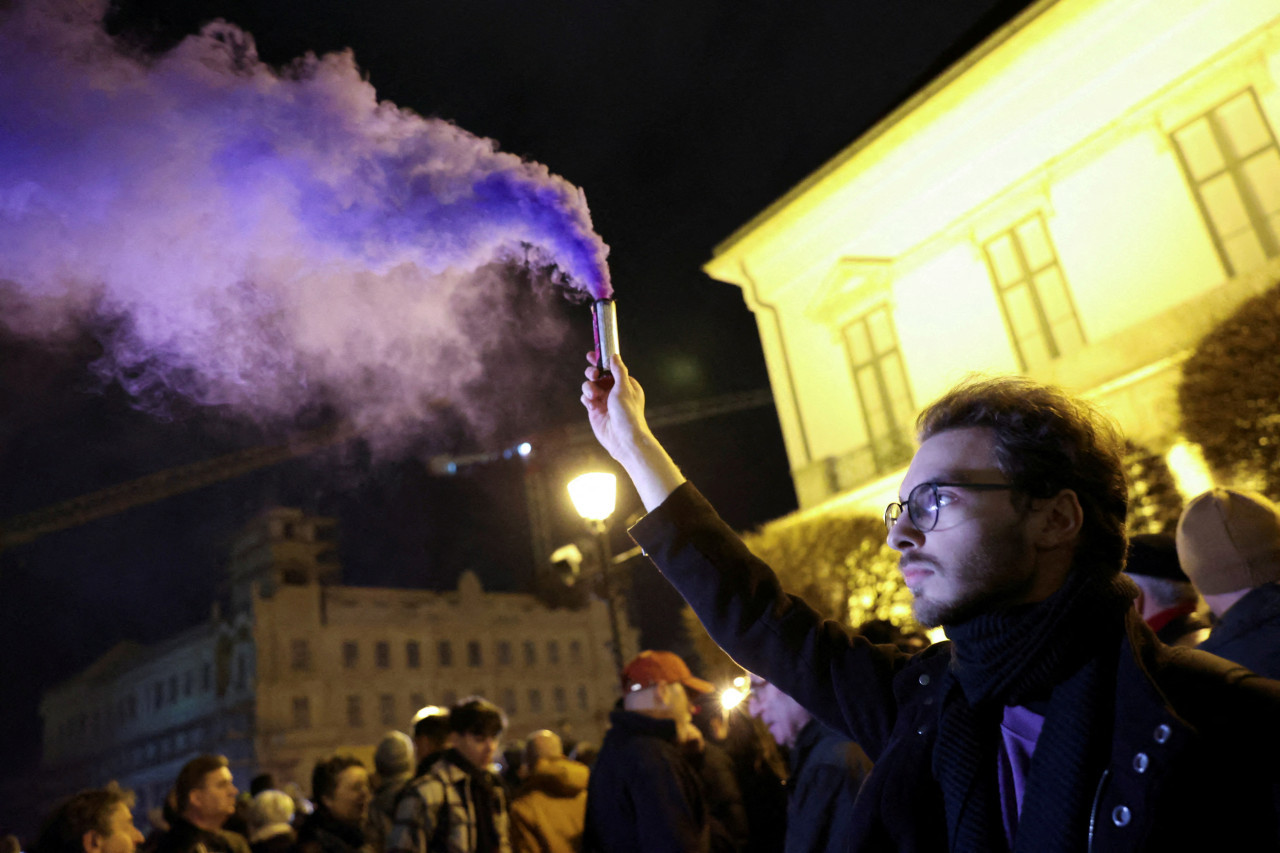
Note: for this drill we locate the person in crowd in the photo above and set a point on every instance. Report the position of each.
(393, 762)
(431, 736)
(341, 794)
(271, 822)
(1168, 602)
(1010, 529)
(550, 809)
(262, 782)
(9, 843)
(97, 820)
(204, 800)
(458, 805)
(644, 792)
(719, 775)
(825, 771)
(1229, 542)
(761, 772)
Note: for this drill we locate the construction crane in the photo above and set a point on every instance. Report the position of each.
(150, 488)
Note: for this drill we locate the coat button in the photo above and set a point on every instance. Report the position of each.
(922, 730)
(1120, 816)
(1161, 734)
(1140, 762)
(924, 679)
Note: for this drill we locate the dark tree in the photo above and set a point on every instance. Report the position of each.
(1154, 500)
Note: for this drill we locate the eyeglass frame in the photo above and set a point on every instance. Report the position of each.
(905, 506)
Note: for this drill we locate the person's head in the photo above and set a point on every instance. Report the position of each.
(341, 785)
(477, 726)
(205, 792)
(270, 814)
(394, 756)
(1014, 485)
(262, 782)
(783, 715)
(658, 684)
(431, 730)
(98, 820)
(1229, 543)
(1153, 565)
(543, 744)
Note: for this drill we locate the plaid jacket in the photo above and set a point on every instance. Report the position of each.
(435, 813)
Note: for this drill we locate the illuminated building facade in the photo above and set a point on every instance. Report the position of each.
(302, 667)
(1079, 200)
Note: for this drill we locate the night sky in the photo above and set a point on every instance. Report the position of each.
(679, 120)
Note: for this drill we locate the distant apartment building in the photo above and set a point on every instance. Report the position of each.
(1079, 200)
(302, 667)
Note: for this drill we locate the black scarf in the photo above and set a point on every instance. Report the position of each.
(332, 834)
(1062, 650)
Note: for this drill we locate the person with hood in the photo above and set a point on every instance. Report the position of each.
(549, 810)
(393, 761)
(340, 791)
(1229, 543)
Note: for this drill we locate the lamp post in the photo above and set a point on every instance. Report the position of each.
(594, 496)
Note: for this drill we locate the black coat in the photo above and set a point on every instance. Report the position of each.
(1249, 632)
(826, 772)
(1193, 763)
(644, 795)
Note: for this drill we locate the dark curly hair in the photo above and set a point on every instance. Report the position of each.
(324, 778)
(1047, 441)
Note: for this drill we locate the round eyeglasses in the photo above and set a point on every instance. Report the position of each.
(923, 503)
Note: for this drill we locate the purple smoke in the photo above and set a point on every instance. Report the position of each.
(256, 235)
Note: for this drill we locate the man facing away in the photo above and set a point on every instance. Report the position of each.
(457, 805)
(1010, 527)
(1169, 603)
(1229, 542)
(826, 771)
(549, 811)
(97, 820)
(206, 798)
(645, 795)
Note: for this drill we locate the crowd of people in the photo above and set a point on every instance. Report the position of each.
(1091, 685)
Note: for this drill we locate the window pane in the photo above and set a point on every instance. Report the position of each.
(560, 701)
(530, 653)
(1035, 352)
(473, 653)
(553, 651)
(899, 402)
(1199, 149)
(387, 709)
(1223, 203)
(413, 654)
(1052, 291)
(881, 331)
(859, 347)
(582, 697)
(1034, 240)
(1022, 312)
(504, 653)
(382, 654)
(444, 652)
(1003, 260)
(1262, 173)
(535, 700)
(877, 418)
(1242, 124)
(1244, 251)
(1067, 336)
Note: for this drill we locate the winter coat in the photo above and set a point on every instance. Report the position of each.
(1249, 632)
(186, 837)
(550, 809)
(826, 772)
(1194, 752)
(436, 812)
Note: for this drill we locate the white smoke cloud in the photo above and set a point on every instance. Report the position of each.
(260, 238)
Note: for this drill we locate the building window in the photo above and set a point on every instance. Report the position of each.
(445, 652)
(473, 653)
(575, 651)
(355, 715)
(413, 654)
(299, 655)
(530, 653)
(881, 382)
(558, 697)
(1038, 309)
(535, 700)
(504, 653)
(387, 709)
(582, 697)
(301, 712)
(350, 654)
(1231, 161)
(508, 700)
(553, 651)
(382, 654)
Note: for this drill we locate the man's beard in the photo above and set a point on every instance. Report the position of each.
(983, 580)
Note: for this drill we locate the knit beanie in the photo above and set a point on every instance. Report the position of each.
(1229, 540)
(394, 755)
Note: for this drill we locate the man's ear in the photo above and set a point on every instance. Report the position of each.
(91, 841)
(1062, 520)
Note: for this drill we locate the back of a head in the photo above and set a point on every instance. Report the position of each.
(1047, 441)
(394, 755)
(541, 744)
(88, 811)
(1229, 540)
(270, 814)
(261, 782)
(192, 776)
(477, 716)
(1153, 563)
(432, 724)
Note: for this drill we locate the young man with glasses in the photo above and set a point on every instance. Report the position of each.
(1010, 526)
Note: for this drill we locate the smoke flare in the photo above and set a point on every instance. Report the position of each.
(259, 237)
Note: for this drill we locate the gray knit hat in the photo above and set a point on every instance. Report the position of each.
(394, 754)
(1229, 540)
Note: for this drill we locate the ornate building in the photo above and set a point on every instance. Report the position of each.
(302, 667)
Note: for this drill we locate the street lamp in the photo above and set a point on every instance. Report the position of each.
(594, 496)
